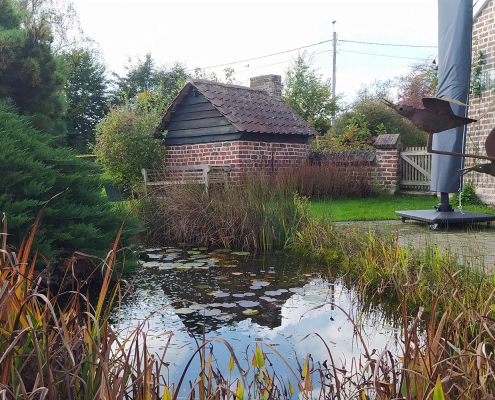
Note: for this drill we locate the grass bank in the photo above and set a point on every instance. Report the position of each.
(378, 208)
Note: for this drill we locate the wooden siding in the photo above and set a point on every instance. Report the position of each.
(197, 118)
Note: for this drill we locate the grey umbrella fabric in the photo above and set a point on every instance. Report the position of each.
(455, 25)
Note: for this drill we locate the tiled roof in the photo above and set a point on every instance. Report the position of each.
(249, 110)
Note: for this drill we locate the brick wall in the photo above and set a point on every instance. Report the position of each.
(243, 156)
(385, 169)
(477, 132)
(248, 156)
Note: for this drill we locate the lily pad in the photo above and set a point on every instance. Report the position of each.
(152, 250)
(174, 250)
(250, 311)
(220, 294)
(296, 290)
(185, 310)
(273, 293)
(227, 305)
(154, 256)
(211, 313)
(194, 264)
(221, 251)
(240, 253)
(150, 264)
(237, 273)
(166, 266)
(268, 299)
(221, 277)
(248, 303)
(193, 252)
(260, 283)
(198, 306)
(247, 294)
(182, 267)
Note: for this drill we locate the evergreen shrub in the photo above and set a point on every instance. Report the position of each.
(32, 172)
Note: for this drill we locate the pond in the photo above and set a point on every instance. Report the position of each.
(279, 300)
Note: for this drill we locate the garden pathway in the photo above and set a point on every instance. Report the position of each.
(474, 243)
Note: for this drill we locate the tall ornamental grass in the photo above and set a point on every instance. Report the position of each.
(60, 345)
(261, 213)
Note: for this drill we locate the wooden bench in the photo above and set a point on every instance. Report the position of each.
(189, 174)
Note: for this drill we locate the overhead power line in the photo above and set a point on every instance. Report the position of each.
(268, 55)
(381, 55)
(385, 44)
(312, 45)
(328, 51)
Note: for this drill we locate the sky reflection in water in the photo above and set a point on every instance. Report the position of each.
(294, 301)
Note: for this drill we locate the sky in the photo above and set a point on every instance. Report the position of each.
(216, 34)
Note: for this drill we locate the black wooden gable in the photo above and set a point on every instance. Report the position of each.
(198, 121)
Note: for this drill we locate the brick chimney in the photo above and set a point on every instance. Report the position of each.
(271, 84)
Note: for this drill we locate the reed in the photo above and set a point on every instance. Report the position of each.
(57, 349)
(259, 214)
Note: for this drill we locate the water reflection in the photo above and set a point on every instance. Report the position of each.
(293, 298)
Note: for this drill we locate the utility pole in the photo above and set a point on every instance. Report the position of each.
(334, 71)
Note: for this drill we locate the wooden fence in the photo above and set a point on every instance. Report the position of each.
(415, 168)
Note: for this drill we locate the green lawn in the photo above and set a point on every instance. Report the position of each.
(378, 208)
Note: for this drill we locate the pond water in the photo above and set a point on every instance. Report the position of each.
(276, 299)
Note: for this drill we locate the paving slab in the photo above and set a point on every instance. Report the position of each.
(473, 243)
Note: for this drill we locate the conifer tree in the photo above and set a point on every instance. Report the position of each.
(87, 103)
(30, 74)
(32, 172)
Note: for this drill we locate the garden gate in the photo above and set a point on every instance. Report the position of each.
(415, 168)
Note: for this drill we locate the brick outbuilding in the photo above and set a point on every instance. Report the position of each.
(248, 128)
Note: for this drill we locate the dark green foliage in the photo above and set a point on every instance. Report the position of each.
(124, 139)
(32, 172)
(145, 76)
(468, 196)
(85, 90)
(30, 74)
(477, 84)
(308, 95)
(381, 119)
